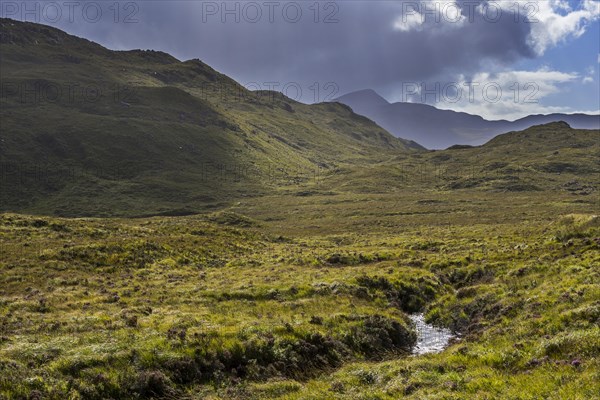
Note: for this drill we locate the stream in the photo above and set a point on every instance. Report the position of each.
(430, 339)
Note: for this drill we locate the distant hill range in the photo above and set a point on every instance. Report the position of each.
(440, 129)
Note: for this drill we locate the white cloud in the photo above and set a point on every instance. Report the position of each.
(590, 73)
(560, 4)
(508, 95)
(409, 21)
(437, 14)
(553, 21)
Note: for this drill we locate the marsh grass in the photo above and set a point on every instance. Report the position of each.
(223, 305)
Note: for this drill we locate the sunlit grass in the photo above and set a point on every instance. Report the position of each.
(233, 307)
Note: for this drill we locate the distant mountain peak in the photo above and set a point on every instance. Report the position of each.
(437, 128)
(363, 98)
(368, 93)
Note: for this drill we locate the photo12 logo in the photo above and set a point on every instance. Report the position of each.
(274, 174)
(315, 92)
(253, 12)
(46, 92)
(471, 92)
(53, 12)
(39, 171)
(460, 11)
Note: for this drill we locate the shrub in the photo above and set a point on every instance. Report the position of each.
(152, 384)
(376, 335)
(581, 342)
(409, 296)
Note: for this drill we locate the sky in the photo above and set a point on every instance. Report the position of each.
(498, 59)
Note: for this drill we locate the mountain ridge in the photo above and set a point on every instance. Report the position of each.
(159, 136)
(181, 135)
(436, 128)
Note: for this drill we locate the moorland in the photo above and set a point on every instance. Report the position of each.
(176, 244)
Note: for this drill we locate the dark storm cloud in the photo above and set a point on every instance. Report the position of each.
(351, 43)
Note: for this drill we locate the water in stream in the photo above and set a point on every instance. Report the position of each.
(430, 339)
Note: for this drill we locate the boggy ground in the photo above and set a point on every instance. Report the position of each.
(306, 297)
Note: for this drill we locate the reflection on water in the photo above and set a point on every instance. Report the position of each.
(430, 339)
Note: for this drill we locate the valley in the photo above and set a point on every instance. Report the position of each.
(171, 242)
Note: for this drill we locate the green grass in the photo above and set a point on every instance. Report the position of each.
(229, 306)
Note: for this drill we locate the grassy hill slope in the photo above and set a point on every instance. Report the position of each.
(552, 157)
(90, 131)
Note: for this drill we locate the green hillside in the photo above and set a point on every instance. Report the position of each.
(552, 157)
(89, 131)
(545, 157)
